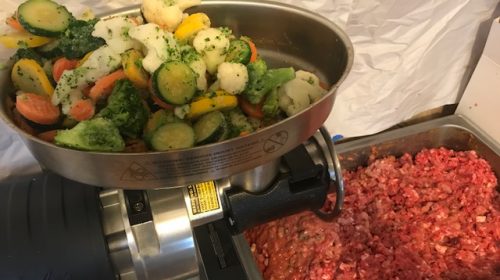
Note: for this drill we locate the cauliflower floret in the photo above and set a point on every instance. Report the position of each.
(317, 91)
(308, 77)
(115, 32)
(182, 111)
(292, 98)
(200, 69)
(196, 63)
(233, 77)
(101, 62)
(166, 13)
(299, 93)
(160, 45)
(213, 45)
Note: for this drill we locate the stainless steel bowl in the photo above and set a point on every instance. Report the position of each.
(285, 35)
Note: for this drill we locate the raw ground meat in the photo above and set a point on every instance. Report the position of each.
(435, 216)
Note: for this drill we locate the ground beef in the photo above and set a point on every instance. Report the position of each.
(434, 216)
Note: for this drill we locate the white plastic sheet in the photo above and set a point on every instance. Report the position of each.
(410, 56)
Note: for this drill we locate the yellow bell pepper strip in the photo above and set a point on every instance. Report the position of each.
(28, 76)
(190, 26)
(210, 94)
(131, 62)
(17, 40)
(206, 105)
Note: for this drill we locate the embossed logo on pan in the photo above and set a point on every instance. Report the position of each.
(276, 141)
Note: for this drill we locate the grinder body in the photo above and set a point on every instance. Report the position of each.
(60, 229)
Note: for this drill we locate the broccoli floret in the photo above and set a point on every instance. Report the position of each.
(126, 109)
(238, 123)
(271, 106)
(27, 53)
(77, 40)
(256, 70)
(261, 81)
(97, 134)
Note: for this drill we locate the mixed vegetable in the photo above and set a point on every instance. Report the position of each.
(165, 81)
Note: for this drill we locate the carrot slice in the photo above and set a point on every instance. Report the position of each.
(61, 65)
(83, 109)
(160, 102)
(252, 110)
(104, 85)
(48, 136)
(244, 132)
(14, 23)
(37, 108)
(253, 50)
(324, 85)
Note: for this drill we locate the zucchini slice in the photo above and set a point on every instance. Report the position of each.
(175, 82)
(50, 50)
(210, 128)
(239, 52)
(157, 120)
(43, 17)
(173, 136)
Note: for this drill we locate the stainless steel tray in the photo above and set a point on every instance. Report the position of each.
(452, 132)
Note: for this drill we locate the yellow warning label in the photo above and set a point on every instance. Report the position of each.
(203, 197)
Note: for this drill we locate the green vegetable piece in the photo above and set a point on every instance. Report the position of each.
(156, 120)
(257, 89)
(50, 50)
(27, 53)
(239, 52)
(44, 17)
(97, 134)
(77, 40)
(256, 71)
(126, 109)
(173, 136)
(210, 128)
(175, 82)
(238, 123)
(69, 122)
(271, 106)
(189, 54)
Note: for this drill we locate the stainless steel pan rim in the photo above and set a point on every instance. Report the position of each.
(46, 153)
